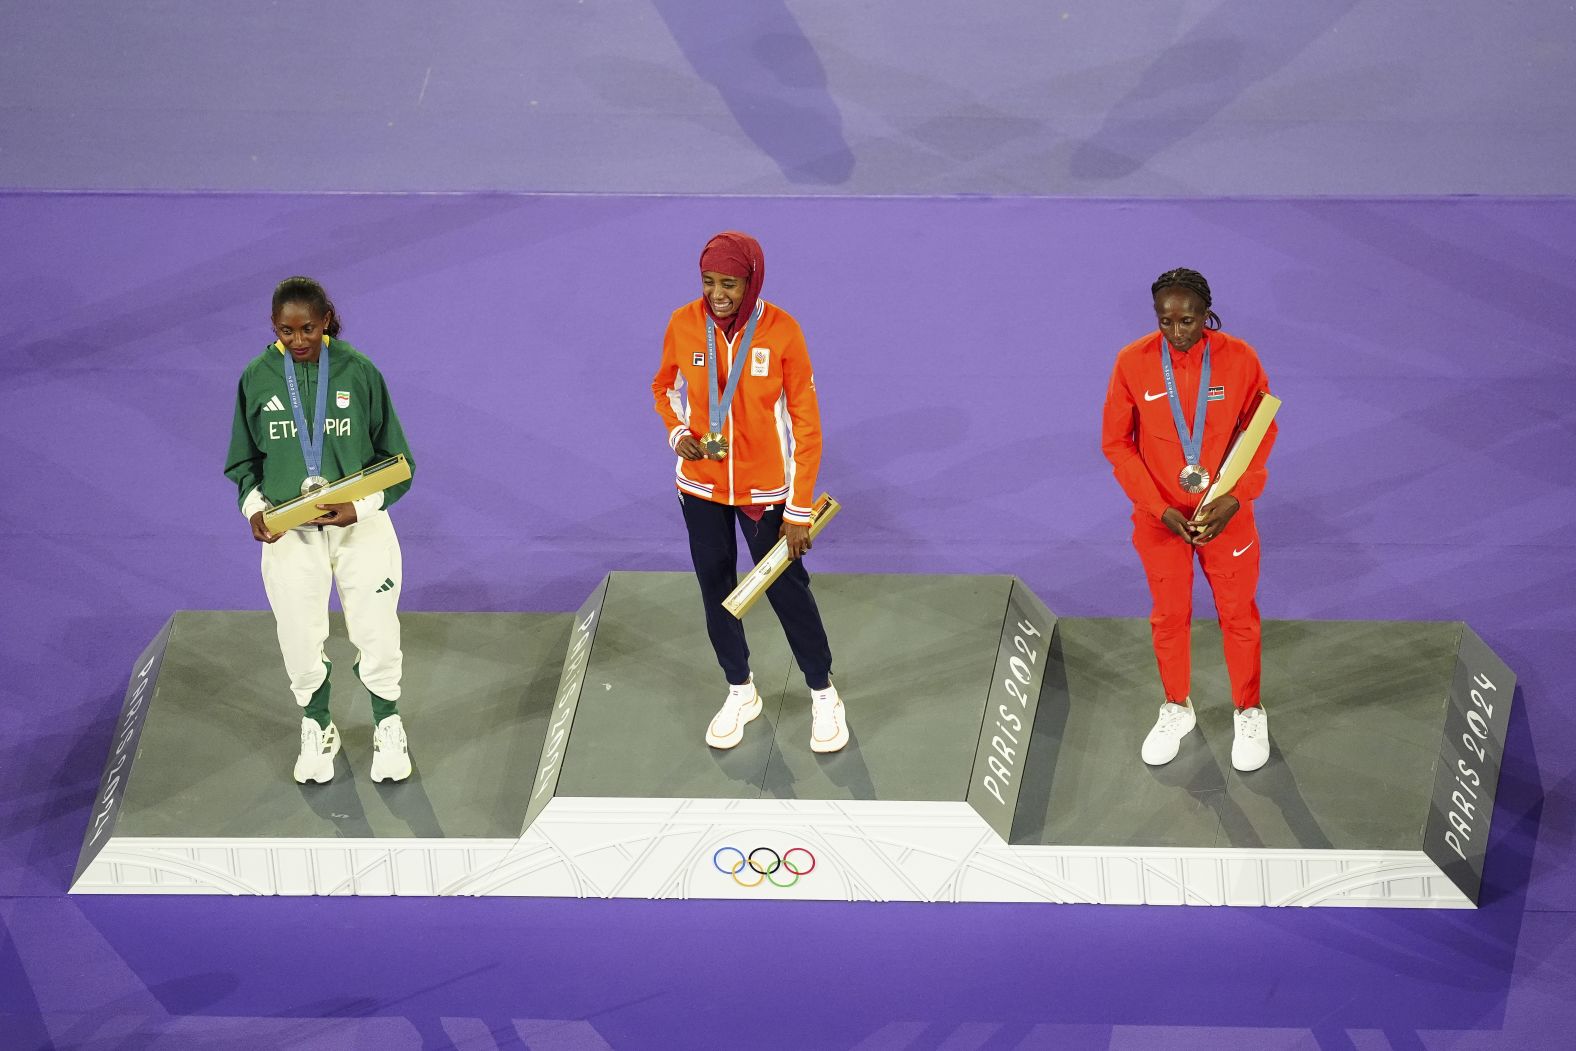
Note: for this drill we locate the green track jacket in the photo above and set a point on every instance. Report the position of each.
(361, 426)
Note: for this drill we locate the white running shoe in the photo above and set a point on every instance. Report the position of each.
(1176, 722)
(319, 746)
(1250, 747)
(390, 756)
(828, 726)
(726, 728)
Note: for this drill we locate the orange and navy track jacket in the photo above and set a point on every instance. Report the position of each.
(1138, 433)
(773, 426)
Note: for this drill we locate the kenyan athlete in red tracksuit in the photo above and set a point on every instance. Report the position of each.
(1139, 436)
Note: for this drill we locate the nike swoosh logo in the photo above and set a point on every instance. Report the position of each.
(1237, 552)
(1153, 397)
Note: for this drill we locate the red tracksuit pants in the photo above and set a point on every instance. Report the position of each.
(1231, 565)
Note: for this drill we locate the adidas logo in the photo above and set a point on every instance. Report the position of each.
(388, 585)
(274, 405)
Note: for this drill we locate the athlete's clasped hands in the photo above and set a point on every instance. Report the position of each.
(1207, 525)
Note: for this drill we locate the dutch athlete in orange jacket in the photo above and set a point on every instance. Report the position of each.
(773, 426)
(1140, 436)
(749, 447)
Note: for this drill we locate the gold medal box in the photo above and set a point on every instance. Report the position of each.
(768, 569)
(304, 508)
(1244, 447)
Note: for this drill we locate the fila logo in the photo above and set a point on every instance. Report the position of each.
(342, 399)
(760, 361)
(698, 360)
(274, 405)
(1217, 394)
(1153, 397)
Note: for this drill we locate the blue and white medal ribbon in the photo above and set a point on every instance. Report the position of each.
(1194, 478)
(311, 444)
(714, 442)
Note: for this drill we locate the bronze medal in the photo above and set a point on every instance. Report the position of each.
(1193, 479)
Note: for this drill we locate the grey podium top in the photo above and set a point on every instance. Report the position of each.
(912, 658)
(1356, 711)
(221, 735)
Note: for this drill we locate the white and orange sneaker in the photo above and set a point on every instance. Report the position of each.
(828, 724)
(726, 728)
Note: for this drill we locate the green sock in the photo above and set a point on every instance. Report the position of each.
(382, 708)
(317, 707)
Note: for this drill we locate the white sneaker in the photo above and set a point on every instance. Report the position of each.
(1176, 722)
(726, 728)
(828, 727)
(390, 757)
(319, 746)
(1250, 749)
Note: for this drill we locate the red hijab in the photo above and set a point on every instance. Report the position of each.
(737, 255)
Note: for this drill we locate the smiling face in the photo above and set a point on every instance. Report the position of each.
(1181, 316)
(723, 291)
(300, 329)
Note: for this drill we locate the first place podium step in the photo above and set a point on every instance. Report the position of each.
(993, 758)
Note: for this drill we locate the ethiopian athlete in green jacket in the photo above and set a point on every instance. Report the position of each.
(312, 408)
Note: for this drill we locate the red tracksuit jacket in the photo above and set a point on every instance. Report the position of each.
(1139, 435)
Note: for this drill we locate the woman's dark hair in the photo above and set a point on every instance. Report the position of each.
(1192, 281)
(305, 290)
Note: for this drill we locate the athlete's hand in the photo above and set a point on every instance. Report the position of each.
(260, 531)
(1208, 523)
(336, 515)
(798, 537)
(689, 448)
(1177, 522)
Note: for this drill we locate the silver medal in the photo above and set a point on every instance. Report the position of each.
(313, 484)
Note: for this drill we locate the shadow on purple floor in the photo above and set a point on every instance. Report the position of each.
(1237, 45)
(1518, 817)
(758, 57)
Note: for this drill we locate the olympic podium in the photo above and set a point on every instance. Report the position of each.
(993, 757)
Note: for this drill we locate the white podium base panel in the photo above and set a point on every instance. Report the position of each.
(993, 757)
(862, 850)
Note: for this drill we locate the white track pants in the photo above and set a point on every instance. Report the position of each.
(364, 561)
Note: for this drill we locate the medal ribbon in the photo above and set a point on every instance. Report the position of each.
(720, 406)
(1192, 443)
(311, 444)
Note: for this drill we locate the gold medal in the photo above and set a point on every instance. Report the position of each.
(715, 446)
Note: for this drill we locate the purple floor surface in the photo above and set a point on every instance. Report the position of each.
(962, 348)
(1120, 97)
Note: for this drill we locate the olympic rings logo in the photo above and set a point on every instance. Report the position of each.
(765, 863)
